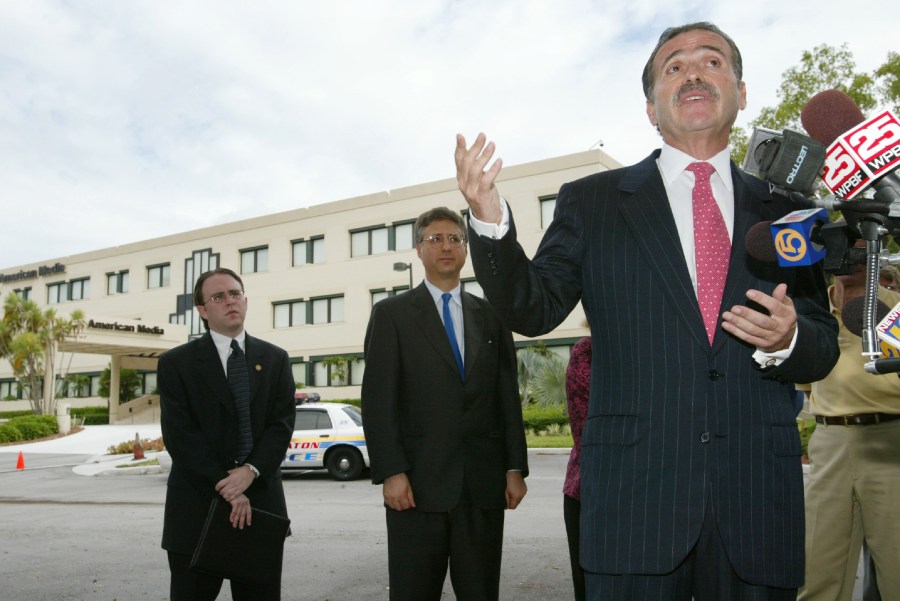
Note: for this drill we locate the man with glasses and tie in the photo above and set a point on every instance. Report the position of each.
(691, 483)
(443, 424)
(227, 402)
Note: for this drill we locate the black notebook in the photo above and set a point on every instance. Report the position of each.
(252, 555)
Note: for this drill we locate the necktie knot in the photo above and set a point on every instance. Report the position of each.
(701, 170)
(235, 347)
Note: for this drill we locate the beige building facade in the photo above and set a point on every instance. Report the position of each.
(311, 276)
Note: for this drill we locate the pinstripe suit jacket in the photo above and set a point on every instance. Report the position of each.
(673, 424)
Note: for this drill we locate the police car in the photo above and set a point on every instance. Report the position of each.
(330, 436)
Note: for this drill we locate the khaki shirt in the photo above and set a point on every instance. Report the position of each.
(849, 389)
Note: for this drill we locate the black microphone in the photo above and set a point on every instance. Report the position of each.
(852, 314)
(861, 153)
(789, 160)
(759, 242)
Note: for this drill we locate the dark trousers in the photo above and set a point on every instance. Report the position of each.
(188, 585)
(705, 575)
(420, 545)
(572, 517)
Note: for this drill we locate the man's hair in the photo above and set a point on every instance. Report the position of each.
(648, 77)
(891, 274)
(438, 214)
(198, 287)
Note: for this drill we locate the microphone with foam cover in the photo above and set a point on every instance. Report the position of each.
(828, 114)
(852, 314)
(861, 153)
(759, 242)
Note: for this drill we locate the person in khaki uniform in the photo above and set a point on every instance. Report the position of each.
(853, 492)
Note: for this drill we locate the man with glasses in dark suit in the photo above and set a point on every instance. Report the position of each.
(227, 402)
(443, 424)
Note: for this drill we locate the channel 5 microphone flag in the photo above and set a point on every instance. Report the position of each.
(794, 236)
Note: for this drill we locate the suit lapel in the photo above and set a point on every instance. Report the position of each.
(210, 365)
(255, 369)
(750, 200)
(473, 324)
(645, 208)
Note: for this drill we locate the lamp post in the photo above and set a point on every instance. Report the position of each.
(400, 266)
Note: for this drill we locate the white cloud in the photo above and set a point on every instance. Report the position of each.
(126, 121)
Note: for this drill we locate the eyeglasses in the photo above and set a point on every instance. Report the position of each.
(219, 297)
(437, 240)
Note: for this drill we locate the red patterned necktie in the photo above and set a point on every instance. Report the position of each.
(712, 248)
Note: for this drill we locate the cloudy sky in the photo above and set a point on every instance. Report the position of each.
(127, 120)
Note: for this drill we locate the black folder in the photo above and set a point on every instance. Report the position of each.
(251, 555)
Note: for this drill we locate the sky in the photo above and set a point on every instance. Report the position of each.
(122, 121)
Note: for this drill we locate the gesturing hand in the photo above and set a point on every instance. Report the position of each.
(476, 184)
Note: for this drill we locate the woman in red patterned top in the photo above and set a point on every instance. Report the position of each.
(578, 386)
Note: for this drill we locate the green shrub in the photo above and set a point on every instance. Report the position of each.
(539, 419)
(806, 431)
(36, 426)
(12, 414)
(9, 433)
(93, 416)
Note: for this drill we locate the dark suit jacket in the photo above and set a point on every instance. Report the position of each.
(672, 424)
(420, 418)
(199, 426)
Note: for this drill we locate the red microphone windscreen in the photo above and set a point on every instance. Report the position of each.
(852, 314)
(828, 114)
(759, 242)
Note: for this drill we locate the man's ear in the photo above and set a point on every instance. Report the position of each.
(651, 113)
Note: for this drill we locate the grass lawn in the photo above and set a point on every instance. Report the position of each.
(547, 441)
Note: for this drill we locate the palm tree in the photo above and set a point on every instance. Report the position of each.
(29, 340)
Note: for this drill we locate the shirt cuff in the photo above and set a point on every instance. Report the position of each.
(774, 359)
(253, 469)
(492, 230)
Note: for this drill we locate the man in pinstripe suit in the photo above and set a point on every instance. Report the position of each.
(691, 477)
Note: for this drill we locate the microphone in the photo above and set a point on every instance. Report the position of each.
(759, 242)
(860, 153)
(789, 160)
(796, 237)
(888, 329)
(852, 314)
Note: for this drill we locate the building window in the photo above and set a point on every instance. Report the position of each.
(368, 242)
(117, 283)
(325, 371)
(9, 390)
(255, 260)
(298, 368)
(548, 205)
(289, 314)
(378, 295)
(158, 275)
(327, 310)
(473, 287)
(403, 236)
(308, 252)
(80, 289)
(60, 292)
(23, 293)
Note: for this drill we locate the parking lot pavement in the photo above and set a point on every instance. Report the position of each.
(71, 537)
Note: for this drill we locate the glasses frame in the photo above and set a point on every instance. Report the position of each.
(437, 240)
(219, 297)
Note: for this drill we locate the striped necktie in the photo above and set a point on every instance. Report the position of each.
(239, 382)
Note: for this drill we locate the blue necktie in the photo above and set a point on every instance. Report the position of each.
(239, 382)
(451, 333)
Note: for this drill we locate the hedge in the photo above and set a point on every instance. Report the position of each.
(28, 427)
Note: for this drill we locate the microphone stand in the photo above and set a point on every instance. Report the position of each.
(872, 228)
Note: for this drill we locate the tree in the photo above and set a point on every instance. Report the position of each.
(29, 341)
(130, 382)
(338, 365)
(824, 67)
(542, 376)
